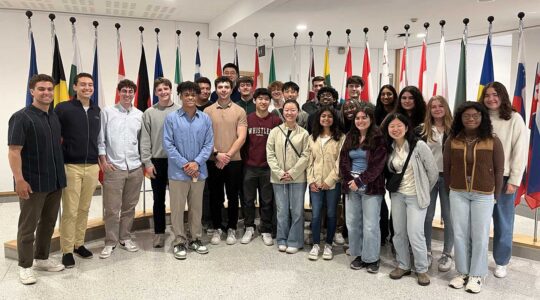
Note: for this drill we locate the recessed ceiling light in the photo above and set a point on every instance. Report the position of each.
(420, 35)
(301, 27)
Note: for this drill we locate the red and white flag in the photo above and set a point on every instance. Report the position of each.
(347, 72)
(256, 73)
(403, 71)
(218, 62)
(440, 86)
(367, 93)
(422, 76)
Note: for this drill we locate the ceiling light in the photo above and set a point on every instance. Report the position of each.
(301, 27)
(420, 35)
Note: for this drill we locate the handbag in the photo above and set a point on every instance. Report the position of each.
(393, 180)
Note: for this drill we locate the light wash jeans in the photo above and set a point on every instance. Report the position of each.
(471, 213)
(290, 213)
(362, 214)
(440, 190)
(408, 219)
(503, 226)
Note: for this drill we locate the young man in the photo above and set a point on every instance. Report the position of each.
(81, 124)
(153, 156)
(203, 99)
(311, 104)
(256, 170)
(188, 140)
(36, 161)
(277, 100)
(245, 87)
(290, 92)
(122, 167)
(326, 96)
(230, 71)
(230, 128)
(355, 85)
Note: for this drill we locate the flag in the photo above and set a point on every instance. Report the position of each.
(235, 59)
(59, 77)
(178, 67)
(97, 97)
(311, 71)
(197, 63)
(367, 93)
(518, 102)
(218, 63)
(142, 96)
(422, 75)
(347, 72)
(121, 69)
(294, 75)
(461, 89)
(158, 71)
(533, 174)
(487, 75)
(385, 77)
(440, 86)
(76, 64)
(403, 72)
(256, 73)
(272, 73)
(32, 70)
(326, 73)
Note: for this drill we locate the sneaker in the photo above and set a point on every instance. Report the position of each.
(429, 258)
(48, 265)
(291, 250)
(348, 251)
(423, 279)
(338, 238)
(357, 263)
(26, 276)
(500, 271)
(159, 240)
(267, 239)
(248, 235)
(459, 281)
(397, 273)
(180, 251)
(107, 251)
(282, 248)
(373, 267)
(231, 236)
(216, 237)
(83, 252)
(314, 253)
(198, 247)
(327, 253)
(129, 246)
(474, 285)
(68, 261)
(445, 263)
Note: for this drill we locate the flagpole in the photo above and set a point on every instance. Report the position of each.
(272, 73)
(53, 31)
(385, 78)
(256, 66)
(406, 53)
(293, 76)
(235, 54)
(141, 29)
(310, 63)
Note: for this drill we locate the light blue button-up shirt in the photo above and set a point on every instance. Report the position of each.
(187, 139)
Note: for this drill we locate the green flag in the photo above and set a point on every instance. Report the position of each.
(272, 76)
(461, 90)
(177, 72)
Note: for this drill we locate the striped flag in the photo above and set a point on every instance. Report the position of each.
(385, 77)
(487, 74)
(403, 72)
(367, 92)
(142, 96)
(461, 89)
(98, 95)
(326, 72)
(32, 70)
(518, 102)
(532, 181)
(76, 64)
(440, 86)
(422, 75)
(197, 62)
(178, 67)
(158, 70)
(347, 72)
(59, 77)
(121, 69)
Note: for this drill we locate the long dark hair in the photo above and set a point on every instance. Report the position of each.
(485, 130)
(419, 110)
(352, 141)
(410, 136)
(505, 110)
(380, 112)
(318, 128)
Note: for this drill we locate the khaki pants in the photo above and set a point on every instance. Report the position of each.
(192, 192)
(121, 191)
(76, 198)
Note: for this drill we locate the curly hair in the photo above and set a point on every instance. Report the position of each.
(410, 136)
(380, 111)
(419, 111)
(505, 110)
(318, 129)
(346, 124)
(485, 130)
(352, 141)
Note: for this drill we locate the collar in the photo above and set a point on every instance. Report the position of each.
(79, 103)
(120, 108)
(228, 105)
(182, 112)
(37, 110)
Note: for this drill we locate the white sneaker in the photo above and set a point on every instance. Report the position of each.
(445, 263)
(129, 246)
(267, 239)
(291, 250)
(500, 271)
(282, 248)
(474, 285)
(327, 254)
(26, 276)
(348, 251)
(248, 235)
(216, 237)
(338, 238)
(459, 281)
(314, 253)
(107, 251)
(48, 265)
(231, 236)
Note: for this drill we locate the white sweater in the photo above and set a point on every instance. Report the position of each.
(513, 136)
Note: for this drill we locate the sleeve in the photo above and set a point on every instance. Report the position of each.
(208, 145)
(16, 130)
(300, 166)
(102, 147)
(271, 153)
(345, 165)
(168, 143)
(447, 162)
(430, 165)
(242, 121)
(518, 157)
(333, 176)
(146, 142)
(376, 161)
(498, 166)
(311, 162)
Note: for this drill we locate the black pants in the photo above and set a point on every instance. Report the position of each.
(206, 213)
(159, 187)
(384, 223)
(229, 177)
(258, 179)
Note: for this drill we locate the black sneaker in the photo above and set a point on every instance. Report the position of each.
(68, 261)
(373, 267)
(357, 263)
(83, 252)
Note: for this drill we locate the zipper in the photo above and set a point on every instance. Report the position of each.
(87, 135)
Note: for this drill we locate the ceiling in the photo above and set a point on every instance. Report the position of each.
(282, 17)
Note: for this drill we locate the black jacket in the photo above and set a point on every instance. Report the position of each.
(80, 130)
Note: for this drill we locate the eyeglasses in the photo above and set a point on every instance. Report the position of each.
(475, 117)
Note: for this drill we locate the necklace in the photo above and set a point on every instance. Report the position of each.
(471, 141)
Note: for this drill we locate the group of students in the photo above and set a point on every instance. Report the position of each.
(261, 146)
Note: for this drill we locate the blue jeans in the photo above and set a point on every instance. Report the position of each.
(471, 213)
(503, 226)
(408, 219)
(317, 201)
(440, 189)
(362, 213)
(290, 213)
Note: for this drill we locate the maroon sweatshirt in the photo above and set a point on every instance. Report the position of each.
(254, 150)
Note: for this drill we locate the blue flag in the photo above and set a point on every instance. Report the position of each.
(197, 65)
(487, 74)
(158, 71)
(32, 70)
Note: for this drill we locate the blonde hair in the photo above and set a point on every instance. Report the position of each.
(427, 131)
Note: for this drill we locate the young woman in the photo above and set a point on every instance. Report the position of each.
(361, 165)
(473, 170)
(346, 115)
(386, 102)
(510, 129)
(287, 152)
(411, 104)
(411, 199)
(434, 132)
(323, 177)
